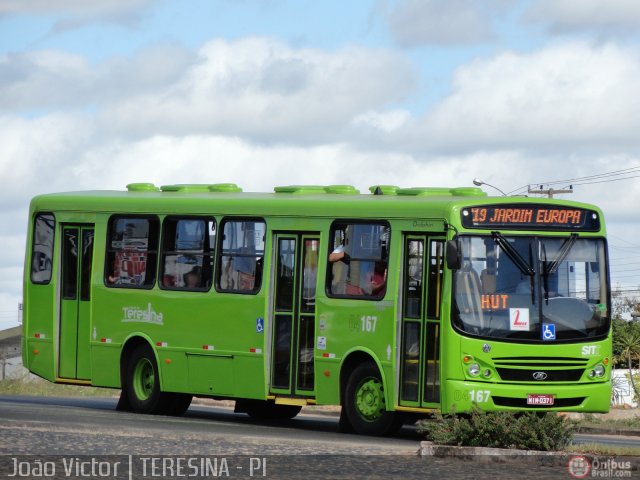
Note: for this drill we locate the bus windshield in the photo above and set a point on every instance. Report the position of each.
(533, 289)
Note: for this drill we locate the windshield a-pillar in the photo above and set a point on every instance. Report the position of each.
(531, 289)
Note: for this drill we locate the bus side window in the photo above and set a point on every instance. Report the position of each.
(358, 260)
(132, 249)
(240, 256)
(42, 248)
(187, 253)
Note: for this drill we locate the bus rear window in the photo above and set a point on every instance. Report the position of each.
(42, 248)
(358, 260)
(132, 248)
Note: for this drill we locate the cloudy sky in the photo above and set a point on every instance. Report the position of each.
(270, 92)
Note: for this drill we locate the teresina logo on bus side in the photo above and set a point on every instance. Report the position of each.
(137, 314)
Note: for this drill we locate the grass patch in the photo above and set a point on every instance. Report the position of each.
(35, 386)
(600, 449)
(590, 421)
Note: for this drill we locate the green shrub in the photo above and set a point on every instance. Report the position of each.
(527, 431)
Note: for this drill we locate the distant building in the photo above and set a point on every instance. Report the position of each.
(622, 392)
(10, 352)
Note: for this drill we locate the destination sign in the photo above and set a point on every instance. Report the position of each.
(530, 217)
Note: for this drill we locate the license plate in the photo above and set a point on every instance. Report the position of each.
(539, 399)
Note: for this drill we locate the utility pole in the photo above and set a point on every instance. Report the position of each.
(549, 191)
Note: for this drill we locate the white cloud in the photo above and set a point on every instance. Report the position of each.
(565, 16)
(253, 88)
(568, 97)
(13, 246)
(264, 90)
(426, 22)
(42, 79)
(9, 314)
(385, 121)
(74, 13)
(36, 154)
(214, 159)
(53, 79)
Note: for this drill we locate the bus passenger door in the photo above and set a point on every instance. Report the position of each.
(423, 268)
(293, 323)
(77, 254)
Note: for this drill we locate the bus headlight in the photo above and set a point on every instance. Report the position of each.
(597, 372)
(474, 369)
(486, 373)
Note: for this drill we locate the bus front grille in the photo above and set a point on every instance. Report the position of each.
(540, 362)
(539, 375)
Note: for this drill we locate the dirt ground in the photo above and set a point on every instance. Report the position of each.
(614, 414)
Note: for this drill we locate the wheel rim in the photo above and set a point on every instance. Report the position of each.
(370, 399)
(143, 379)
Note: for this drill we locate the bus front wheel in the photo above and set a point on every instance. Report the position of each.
(143, 386)
(143, 383)
(364, 403)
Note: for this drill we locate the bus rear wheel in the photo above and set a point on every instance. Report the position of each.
(364, 403)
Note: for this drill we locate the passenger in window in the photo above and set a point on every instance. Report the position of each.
(340, 260)
(379, 279)
(246, 265)
(340, 254)
(118, 269)
(193, 278)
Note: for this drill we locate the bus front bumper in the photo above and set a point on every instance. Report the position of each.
(460, 395)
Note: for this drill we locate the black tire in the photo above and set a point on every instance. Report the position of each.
(123, 401)
(264, 410)
(364, 403)
(142, 387)
(143, 383)
(175, 404)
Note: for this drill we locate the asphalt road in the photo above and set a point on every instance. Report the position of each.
(34, 428)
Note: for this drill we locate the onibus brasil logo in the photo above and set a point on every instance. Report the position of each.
(580, 466)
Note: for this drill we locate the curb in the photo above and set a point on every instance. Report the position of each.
(496, 455)
(605, 431)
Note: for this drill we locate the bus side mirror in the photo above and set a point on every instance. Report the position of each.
(453, 255)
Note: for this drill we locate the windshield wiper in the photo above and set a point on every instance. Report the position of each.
(549, 268)
(566, 247)
(513, 254)
(517, 259)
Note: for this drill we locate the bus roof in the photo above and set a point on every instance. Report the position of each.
(294, 200)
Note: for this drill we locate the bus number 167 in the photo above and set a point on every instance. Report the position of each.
(480, 396)
(368, 323)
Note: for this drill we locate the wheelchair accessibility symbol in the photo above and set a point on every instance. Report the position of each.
(259, 325)
(548, 331)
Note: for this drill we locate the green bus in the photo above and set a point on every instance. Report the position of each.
(390, 304)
